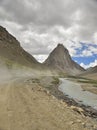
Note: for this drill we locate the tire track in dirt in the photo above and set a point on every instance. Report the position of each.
(28, 107)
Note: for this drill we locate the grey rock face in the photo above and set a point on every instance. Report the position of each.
(60, 59)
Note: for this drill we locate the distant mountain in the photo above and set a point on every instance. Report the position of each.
(90, 73)
(60, 59)
(11, 50)
(92, 70)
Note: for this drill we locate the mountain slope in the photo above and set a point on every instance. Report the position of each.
(90, 73)
(60, 59)
(11, 50)
(92, 70)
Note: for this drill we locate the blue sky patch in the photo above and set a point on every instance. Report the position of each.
(85, 60)
(79, 58)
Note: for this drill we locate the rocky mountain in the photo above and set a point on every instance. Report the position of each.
(11, 50)
(60, 59)
(92, 70)
(90, 73)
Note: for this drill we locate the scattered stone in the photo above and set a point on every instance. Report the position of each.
(95, 127)
(84, 125)
(79, 121)
(40, 89)
(48, 92)
(71, 122)
(85, 111)
(62, 102)
(77, 108)
(88, 125)
(53, 97)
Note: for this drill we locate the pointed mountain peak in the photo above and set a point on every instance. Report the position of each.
(60, 59)
(61, 46)
(59, 52)
(61, 49)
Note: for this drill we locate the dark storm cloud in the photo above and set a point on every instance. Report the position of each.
(50, 13)
(40, 12)
(41, 24)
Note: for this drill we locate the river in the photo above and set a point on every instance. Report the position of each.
(74, 90)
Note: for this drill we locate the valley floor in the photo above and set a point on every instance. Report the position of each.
(25, 105)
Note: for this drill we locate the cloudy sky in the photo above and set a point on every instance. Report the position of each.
(40, 24)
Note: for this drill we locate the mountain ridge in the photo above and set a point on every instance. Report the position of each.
(58, 60)
(11, 49)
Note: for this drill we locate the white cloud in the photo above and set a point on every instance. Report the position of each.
(13, 28)
(92, 64)
(40, 58)
(86, 53)
(95, 38)
(93, 49)
(39, 24)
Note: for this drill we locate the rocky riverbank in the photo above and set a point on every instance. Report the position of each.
(52, 87)
(46, 102)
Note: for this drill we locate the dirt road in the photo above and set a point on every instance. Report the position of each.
(27, 106)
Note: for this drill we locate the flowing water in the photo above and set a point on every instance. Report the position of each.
(74, 90)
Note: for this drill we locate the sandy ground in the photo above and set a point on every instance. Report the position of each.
(91, 76)
(27, 106)
(90, 88)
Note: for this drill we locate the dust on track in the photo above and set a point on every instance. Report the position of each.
(26, 106)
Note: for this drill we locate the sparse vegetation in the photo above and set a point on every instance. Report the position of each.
(12, 65)
(77, 77)
(84, 80)
(55, 80)
(62, 75)
(34, 80)
(8, 64)
(94, 82)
